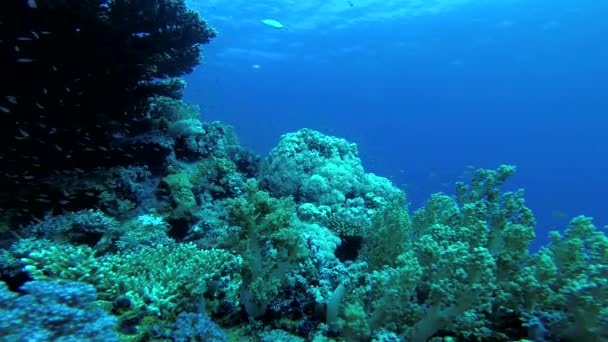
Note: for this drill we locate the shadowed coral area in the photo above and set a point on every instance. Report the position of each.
(78, 79)
(127, 217)
(54, 311)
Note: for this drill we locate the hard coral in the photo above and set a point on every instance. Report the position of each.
(196, 327)
(54, 311)
(61, 62)
(162, 280)
(169, 279)
(325, 172)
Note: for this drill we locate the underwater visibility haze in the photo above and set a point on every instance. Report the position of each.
(427, 89)
(282, 170)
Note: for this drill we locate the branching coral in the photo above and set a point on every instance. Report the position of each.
(163, 280)
(169, 279)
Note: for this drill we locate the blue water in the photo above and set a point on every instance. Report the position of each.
(428, 91)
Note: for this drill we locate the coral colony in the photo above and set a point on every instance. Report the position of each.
(126, 218)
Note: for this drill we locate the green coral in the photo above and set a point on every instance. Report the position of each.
(384, 299)
(46, 260)
(215, 173)
(171, 110)
(571, 282)
(268, 242)
(460, 261)
(170, 279)
(178, 186)
(451, 263)
(163, 280)
(389, 235)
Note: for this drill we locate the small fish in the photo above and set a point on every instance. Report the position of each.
(24, 133)
(11, 99)
(32, 3)
(4, 109)
(273, 23)
(24, 39)
(25, 60)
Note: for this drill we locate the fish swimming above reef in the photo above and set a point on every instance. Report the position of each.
(273, 23)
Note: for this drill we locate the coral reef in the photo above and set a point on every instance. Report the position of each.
(79, 82)
(54, 311)
(325, 177)
(567, 298)
(126, 217)
(268, 241)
